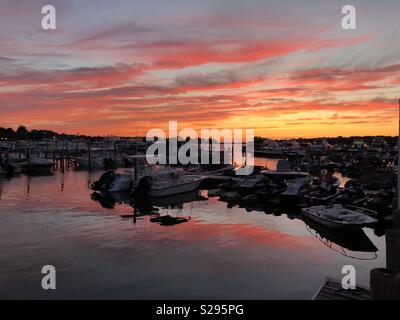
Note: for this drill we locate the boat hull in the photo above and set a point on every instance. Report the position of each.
(175, 189)
(332, 224)
(94, 164)
(121, 184)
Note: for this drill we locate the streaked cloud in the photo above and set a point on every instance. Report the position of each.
(121, 69)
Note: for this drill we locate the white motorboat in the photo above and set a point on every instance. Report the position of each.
(149, 180)
(339, 216)
(112, 181)
(37, 165)
(164, 184)
(284, 171)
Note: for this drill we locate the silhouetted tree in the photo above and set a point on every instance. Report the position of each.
(22, 133)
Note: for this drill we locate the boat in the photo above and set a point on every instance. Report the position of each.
(281, 149)
(230, 196)
(320, 147)
(297, 188)
(152, 180)
(10, 169)
(378, 145)
(293, 148)
(147, 179)
(284, 171)
(166, 184)
(94, 163)
(351, 195)
(322, 195)
(37, 165)
(328, 180)
(3, 172)
(325, 189)
(112, 181)
(97, 158)
(251, 183)
(352, 243)
(339, 216)
(211, 169)
(272, 149)
(13, 168)
(358, 146)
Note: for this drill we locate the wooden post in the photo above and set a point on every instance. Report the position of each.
(384, 284)
(62, 163)
(67, 154)
(398, 165)
(135, 169)
(89, 157)
(28, 156)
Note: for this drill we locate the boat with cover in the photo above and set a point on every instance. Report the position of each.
(339, 216)
(297, 188)
(284, 171)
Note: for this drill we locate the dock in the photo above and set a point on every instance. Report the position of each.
(332, 290)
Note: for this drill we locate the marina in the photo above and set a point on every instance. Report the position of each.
(131, 224)
(199, 158)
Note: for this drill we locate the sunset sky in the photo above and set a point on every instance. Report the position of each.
(284, 68)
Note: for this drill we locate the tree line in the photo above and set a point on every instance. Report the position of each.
(22, 133)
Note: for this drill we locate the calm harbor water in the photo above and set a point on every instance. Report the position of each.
(220, 253)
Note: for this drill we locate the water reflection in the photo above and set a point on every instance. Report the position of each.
(240, 252)
(148, 206)
(350, 243)
(346, 242)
